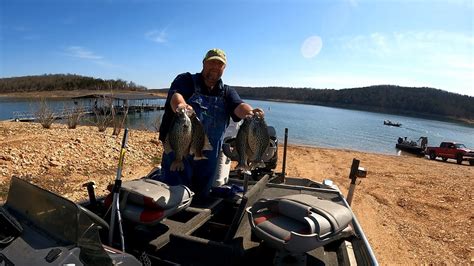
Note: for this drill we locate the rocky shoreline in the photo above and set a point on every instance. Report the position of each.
(72, 156)
(413, 210)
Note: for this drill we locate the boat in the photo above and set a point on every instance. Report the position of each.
(258, 217)
(391, 123)
(411, 146)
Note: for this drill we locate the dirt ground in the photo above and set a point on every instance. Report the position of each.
(413, 210)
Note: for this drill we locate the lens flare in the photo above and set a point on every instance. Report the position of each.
(311, 46)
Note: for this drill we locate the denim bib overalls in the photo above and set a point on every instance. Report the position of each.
(199, 175)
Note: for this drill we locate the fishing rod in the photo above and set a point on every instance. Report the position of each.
(116, 191)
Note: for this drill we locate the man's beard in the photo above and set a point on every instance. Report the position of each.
(212, 78)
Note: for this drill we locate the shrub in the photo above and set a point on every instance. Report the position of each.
(74, 115)
(44, 115)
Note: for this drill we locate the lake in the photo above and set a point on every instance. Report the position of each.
(312, 125)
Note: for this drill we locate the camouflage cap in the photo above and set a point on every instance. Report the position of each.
(217, 54)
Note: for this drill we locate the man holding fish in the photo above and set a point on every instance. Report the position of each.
(197, 113)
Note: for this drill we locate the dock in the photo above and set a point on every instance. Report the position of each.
(98, 104)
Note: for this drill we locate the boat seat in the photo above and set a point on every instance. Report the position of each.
(298, 223)
(148, 201)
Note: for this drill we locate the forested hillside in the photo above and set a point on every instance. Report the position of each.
(383, 98)
(66, 82)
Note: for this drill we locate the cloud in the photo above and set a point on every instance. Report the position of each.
(425, 49)
(157, 36)
(403, 42)
(353, 3)
(20, 28)
(23, 33)
(31, 37)
(84, 54)
(80, 52)
(68, 21)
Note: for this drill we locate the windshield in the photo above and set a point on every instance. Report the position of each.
(60, 218)
(460, 146)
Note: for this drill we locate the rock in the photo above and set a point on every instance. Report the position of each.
(6, 158)
(55, 163)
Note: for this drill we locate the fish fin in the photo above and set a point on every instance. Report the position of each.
(245, 171)
(192, 150)
(254, 165)
(207, 147)
(207, 144)
(177, 166)
(166, 146)
(241, 166)
(198, 158)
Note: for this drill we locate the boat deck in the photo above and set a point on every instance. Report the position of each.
(217, 232)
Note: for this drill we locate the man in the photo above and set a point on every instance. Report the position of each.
(424, 142)
(214, 103)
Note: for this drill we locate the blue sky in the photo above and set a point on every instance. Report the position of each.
(301, 43)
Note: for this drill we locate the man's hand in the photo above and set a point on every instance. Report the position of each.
(186, 107)
(257, 112)
(178, 103)
(244, 110)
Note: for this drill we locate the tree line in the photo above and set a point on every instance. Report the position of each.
(68, 82)
(380, 98)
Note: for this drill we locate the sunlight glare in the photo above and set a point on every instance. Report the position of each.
(311, 46)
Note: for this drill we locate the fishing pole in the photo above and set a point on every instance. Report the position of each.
(116, 191)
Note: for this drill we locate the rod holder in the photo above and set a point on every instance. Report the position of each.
(353, 178)
(283, 167)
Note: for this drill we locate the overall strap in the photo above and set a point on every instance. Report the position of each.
(197, 87)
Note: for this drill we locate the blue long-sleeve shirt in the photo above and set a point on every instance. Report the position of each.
(184, 85)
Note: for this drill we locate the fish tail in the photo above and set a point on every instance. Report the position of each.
(207, 147)
(241, 166)
(259, 164)
(177, 166)
(207, 144)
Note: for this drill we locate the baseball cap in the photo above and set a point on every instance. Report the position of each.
(216, 54)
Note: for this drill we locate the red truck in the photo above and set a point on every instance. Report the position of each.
(451, 150)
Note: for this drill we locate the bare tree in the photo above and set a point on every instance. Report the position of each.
(74, 115)
(104, 114)
(114, 118)
(118, 121)
(45, 115)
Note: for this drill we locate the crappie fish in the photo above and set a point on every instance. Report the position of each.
(199, 142)
(251, 143)
(186, 136)
(179, 139)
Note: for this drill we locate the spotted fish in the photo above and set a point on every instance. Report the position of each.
(186, 136)
(199, 142)
(251, 143)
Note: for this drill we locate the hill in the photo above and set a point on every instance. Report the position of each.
(64, 82)
(381, 98)
(422, 101)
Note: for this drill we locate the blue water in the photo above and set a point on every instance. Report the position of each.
(314, 125)
(321, 126)
(9, 105)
